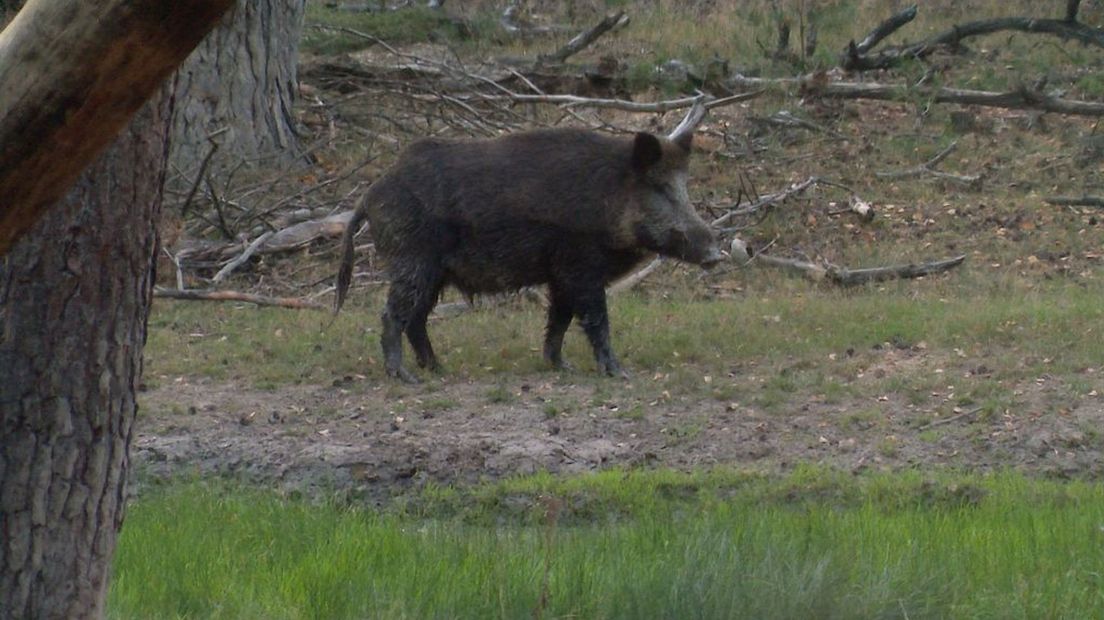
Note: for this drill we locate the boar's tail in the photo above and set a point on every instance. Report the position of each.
(345, 271)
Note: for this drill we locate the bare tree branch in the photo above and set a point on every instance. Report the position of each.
(883, 30)
(237, 262)
(635, 277)
(857, 58)
(584, 39)
(928, 169)
(769, 199)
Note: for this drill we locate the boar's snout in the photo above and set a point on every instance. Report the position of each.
(713, 256)
(698, 246)
(701, 247)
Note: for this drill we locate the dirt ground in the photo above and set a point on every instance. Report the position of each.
(360, 440)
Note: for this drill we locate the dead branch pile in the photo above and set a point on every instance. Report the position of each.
(378, 100)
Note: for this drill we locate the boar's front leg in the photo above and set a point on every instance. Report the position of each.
(588, 303)
(559, 319)
(594, 318)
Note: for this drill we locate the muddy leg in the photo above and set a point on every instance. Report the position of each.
(405, 312)
(391, 341)
(590, 308)
(416, 330)
(559, 318)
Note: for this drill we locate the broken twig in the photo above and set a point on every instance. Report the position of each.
(928, 169)
(954, 418)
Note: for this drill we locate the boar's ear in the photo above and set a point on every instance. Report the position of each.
(646, 151)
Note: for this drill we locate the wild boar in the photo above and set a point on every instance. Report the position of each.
(570, 208)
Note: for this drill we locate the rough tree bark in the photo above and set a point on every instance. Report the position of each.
(74, 297)
(73, 75)
(75, 279)
(242, 77)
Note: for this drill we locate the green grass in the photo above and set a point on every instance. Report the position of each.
(1014, 330)
(410, 25)
(815, 544)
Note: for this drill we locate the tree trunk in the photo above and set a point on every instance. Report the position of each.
(73, 75)
(74, 299)
(241, 80)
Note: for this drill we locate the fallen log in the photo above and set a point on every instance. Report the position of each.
(1023, 98)
(292, 238)
(853, 277)
(1075, 201)
(260, 300)
(659, 107)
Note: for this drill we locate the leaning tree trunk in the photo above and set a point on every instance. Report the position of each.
(240, 84)
(74, 298)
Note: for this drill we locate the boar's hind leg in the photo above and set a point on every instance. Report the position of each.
(419, 337)
(409, 302)
(559, 318)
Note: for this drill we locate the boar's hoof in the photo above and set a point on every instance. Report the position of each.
(562, 365)
(403, 375)
(612, 368)
(431, 365)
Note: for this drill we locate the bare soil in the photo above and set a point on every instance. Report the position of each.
(357, 439)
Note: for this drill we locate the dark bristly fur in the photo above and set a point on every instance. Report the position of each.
(569, 208)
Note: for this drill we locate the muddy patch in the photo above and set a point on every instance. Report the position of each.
(377, 441)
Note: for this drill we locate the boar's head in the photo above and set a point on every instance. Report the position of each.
(662, 216)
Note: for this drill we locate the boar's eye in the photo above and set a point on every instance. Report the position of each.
(669, 191)
(647, 151)
(663, 188)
